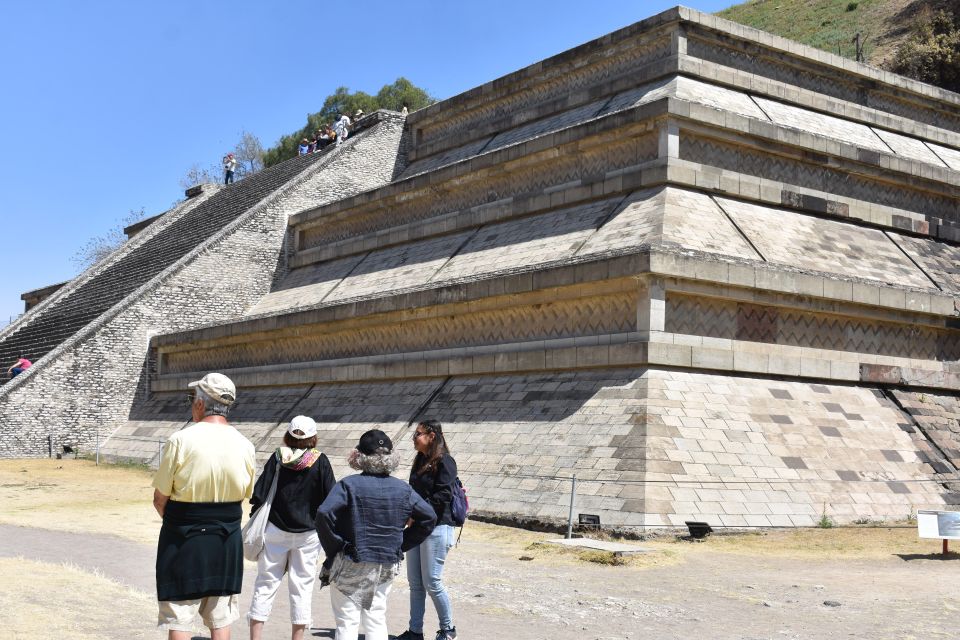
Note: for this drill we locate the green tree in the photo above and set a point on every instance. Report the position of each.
(403, 93)
(391, 96)
(932, 53)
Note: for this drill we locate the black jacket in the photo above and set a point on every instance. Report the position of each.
(436, 487)
(299, 493)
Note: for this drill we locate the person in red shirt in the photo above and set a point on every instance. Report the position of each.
(18, 367)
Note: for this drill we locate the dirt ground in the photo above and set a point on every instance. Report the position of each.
(80, 539)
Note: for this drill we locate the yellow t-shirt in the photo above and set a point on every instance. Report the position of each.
(206, 462)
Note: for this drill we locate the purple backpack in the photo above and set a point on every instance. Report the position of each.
(460, 505)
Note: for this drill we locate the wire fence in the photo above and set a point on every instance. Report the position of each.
(125, 438)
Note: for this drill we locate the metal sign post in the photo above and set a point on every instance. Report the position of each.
(573, 495)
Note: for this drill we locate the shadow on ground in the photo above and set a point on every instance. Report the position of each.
(928, 556)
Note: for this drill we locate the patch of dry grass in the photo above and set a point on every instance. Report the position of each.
(658, 555)
(475, 531)
(850, 543)
(42, 600)
(77, 495)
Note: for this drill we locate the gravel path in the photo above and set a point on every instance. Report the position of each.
(497, 596)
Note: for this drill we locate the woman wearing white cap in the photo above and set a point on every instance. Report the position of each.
(291, 544)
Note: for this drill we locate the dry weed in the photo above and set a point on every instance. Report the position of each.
(42, 600)
(77, 495)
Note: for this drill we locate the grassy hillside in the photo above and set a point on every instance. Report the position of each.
(832, 24)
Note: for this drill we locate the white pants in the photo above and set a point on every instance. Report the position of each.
(349, 615)
(296, 555)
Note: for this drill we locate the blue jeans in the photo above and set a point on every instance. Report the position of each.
(15, 372)
(425, 573)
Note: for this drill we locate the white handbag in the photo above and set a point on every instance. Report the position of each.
(253, 532)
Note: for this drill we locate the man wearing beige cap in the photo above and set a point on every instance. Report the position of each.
(206, 471)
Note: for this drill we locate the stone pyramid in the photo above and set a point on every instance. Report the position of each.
(711, 272)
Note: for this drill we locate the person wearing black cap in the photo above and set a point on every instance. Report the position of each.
(362, 526)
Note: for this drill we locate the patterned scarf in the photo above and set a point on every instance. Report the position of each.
(297, 459)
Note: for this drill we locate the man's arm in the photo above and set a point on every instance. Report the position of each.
(160, 502)
(163, 479)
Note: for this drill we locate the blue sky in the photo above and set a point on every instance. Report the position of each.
(107, 104)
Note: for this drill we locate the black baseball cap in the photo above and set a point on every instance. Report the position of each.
(373, 440)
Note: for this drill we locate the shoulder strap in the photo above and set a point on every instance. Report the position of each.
(273, 485)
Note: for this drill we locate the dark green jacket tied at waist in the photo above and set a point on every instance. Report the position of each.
(200, 551)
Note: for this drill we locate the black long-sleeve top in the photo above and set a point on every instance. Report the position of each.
(299, 493)
(436, 486)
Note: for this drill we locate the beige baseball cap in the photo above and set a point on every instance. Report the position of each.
(302, 427)
(217, 386)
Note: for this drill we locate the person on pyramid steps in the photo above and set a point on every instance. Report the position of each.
(18, 367)
(229, 167)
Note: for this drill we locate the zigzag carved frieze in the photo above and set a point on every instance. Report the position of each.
(815, 176)
(556, 83)
(599, 315)
(711, 317)
(466, 192)
(749, 57)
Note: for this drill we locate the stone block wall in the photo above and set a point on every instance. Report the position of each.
(755, 452)
(650, 447)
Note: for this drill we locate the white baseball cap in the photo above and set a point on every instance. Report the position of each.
(302, 427)
(217, 386)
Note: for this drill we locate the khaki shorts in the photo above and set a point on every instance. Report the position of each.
(216, 611)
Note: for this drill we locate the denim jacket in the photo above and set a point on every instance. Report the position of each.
(364, 517)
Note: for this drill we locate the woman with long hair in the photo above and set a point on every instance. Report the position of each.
(433, 476)
(291, 545)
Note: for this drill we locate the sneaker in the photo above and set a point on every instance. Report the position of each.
(447, 634)
(408, 635)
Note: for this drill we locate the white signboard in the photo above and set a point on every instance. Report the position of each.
(939, 524)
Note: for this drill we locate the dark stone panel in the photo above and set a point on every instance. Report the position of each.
(794, 462)
(898, 487)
